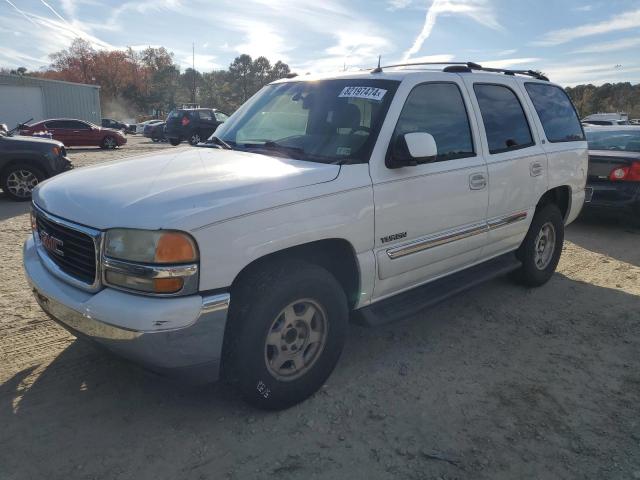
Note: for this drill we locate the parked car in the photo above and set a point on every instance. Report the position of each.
(155, 131)
(117, 125)
(588, 123)
(140, 126)
(25, 162)
(377, 193)
(77, 133)
(193, 125)
(614, 169)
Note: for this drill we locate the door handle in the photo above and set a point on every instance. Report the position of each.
(536, 169)
(477, 181)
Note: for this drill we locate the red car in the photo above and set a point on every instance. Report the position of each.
(77, 133)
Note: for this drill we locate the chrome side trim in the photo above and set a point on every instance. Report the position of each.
(50, 265)
(453, 235)
(215, 303)
(436, 240)
(504, 221)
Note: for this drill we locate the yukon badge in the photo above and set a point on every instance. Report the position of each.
(395, 236)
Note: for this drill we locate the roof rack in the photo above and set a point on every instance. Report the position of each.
(461, 67)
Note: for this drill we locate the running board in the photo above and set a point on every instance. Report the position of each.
(413, 301)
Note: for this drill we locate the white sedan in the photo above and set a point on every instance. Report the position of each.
(140, 126)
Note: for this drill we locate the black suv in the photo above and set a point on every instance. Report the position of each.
(194, 125)
(27, 161)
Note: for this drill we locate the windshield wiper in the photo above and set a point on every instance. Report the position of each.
(219, 142)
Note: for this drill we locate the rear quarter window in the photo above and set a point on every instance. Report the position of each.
(556, 112)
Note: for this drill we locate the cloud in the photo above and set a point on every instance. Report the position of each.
(511, 62)
(610, 46)
(260, 38)
(623, 21)
(398, 4)
(597, 74)
(478, 10)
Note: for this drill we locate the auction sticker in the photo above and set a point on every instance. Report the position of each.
(369, 93)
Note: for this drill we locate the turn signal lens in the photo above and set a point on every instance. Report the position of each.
(34, 223)
(167, 285)
(173, 247)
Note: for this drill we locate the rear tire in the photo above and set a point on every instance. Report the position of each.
(174, 141)
(287, 327)
(18, 181)
(194, 139)
(541, 249)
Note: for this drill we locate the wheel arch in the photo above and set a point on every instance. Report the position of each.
(559, 196)
(20, 160)
(336, 255)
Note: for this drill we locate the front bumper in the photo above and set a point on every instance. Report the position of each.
(179, 336)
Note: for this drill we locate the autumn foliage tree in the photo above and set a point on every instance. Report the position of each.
(149, 82)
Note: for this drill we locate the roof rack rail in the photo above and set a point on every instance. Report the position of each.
(461, 67)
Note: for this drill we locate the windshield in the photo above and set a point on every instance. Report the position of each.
(621, 140)
(330, 121)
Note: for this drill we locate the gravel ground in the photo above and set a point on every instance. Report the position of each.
(500, 383)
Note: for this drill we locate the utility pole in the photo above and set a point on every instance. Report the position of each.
(193, 64)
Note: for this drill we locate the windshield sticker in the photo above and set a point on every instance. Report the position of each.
(369, 93)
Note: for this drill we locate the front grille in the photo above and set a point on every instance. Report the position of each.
(74, 251)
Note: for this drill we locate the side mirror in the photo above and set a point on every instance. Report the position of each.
(412, 149)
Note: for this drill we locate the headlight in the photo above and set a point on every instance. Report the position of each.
(156, 262)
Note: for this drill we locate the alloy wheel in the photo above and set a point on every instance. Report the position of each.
(295, 339)
(545, 246)
(21, 183)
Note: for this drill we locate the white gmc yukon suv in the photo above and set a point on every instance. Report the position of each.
(371, 195)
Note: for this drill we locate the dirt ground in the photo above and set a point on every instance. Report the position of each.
(500, 383)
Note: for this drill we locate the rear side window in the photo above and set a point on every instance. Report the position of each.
(504, 120)
(438, 109)
(556, 112)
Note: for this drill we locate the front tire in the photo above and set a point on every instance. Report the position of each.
(287, 328)
(109, 143)
(541, 249)
(18, 181)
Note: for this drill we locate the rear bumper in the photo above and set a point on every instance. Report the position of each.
(620, 195)
(191, 350)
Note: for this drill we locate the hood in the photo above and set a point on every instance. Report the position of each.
(184, 189)
(30, 141)
(111, 130)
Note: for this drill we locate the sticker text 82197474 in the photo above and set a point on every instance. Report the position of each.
(369, 93)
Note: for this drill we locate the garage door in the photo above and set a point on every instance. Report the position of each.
(18, 104)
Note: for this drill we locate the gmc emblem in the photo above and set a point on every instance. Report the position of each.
(51, 243)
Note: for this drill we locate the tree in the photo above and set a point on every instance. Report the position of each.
(150, 82)
(261, 70)
(241, 70)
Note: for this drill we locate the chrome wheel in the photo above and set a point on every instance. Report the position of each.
(195, 139)
(21, 183)
(110, 142)
(295, 339)
(545, 246)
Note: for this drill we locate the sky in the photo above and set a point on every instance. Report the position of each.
(572, 41)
